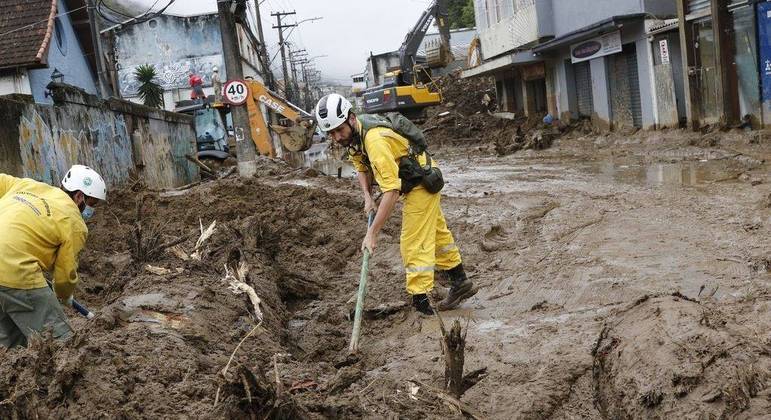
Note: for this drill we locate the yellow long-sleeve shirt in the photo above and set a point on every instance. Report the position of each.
(41, 229)
(384, 148)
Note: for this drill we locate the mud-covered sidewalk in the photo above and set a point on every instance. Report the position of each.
(622, 276)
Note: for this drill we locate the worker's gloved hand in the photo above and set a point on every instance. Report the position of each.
(369, 242)
(67, 303)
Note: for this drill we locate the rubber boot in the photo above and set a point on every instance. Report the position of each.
(462, 288)
(421, 304)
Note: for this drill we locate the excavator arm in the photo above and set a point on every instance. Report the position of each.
(296, 135)
(438, 10)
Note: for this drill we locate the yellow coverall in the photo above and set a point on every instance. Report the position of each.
(426, 243)
(41, 229)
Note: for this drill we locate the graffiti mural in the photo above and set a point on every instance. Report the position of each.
(47, 153)
(172, 75)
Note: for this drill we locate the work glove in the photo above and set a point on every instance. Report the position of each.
(67, 303)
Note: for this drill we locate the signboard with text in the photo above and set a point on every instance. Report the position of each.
(764, 38)
(235, 92)
(596, 47)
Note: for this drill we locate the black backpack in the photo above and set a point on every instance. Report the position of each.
(411, 172)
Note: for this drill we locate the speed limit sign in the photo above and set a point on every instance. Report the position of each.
(235, 92)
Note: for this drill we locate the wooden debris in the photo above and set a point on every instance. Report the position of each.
(177, 250)
(454, 357)
(205, 234)
(238, 286)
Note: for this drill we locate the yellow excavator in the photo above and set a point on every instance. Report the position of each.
(295, 128)
(408, 89)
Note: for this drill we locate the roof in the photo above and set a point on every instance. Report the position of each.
(586, 32)
(26, 27)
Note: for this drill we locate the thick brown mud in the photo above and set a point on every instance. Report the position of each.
(622, 277)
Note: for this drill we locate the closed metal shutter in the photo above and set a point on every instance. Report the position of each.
(626, 109)
(634, 86)
(698, 6)
(583, 77)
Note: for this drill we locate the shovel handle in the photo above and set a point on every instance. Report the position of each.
(82, 309)
(354, 347)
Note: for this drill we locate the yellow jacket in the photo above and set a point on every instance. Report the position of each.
(41, 229)
(384, 148)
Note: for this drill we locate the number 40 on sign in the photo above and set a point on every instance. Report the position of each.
(235, 92)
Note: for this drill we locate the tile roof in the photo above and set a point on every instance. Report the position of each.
(26, 27)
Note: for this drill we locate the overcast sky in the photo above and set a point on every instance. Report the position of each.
(347, 32)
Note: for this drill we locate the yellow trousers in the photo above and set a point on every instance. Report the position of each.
(426, 242)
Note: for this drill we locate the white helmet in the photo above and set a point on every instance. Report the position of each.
(331, 111)
(215, 69)
(83, 178)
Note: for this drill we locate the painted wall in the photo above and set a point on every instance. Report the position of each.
(570, 15)
(15, 81)
(175, 46)
(114, 137)
(505, 25)
(66, 55)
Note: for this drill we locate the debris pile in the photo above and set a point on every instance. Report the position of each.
(226, 299)
(467, 117)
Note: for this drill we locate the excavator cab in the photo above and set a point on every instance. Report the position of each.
(211, 134)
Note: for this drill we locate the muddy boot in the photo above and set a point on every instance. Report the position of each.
(421, 304)
(462, 289)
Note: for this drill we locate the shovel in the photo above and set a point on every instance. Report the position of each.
(77, 306)
(361, 294)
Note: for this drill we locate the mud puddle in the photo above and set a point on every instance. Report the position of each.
(669, 174)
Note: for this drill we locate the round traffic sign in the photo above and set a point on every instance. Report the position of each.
(235, 92)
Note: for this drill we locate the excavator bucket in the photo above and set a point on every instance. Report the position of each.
(297, 138)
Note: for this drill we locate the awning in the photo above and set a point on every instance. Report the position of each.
(501, 63)
(599, 28)
(664, 26)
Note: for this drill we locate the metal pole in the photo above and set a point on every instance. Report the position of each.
(247, 154)
(104, 90)
(280, 27)
(263, 50)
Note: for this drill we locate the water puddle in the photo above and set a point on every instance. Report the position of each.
(689, 173)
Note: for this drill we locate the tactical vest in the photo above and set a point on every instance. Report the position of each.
(411, 172)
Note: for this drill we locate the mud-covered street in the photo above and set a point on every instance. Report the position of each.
(621, 277)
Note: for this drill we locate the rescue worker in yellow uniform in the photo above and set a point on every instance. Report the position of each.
(427, 245)
(42, 229)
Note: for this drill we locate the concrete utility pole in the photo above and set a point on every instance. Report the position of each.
(247, 153)
(280, 27)
(104, 90)
(293, 60)
(263, 50)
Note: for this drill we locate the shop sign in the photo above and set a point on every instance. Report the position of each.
(764, 36)
(596, 47)
(664, 51)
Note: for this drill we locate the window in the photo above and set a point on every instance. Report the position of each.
(60, 36)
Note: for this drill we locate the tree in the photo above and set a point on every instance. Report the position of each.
(150, 91)
(461, 14)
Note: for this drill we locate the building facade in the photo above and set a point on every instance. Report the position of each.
(630, 63)
(41, 45)
(573, 58)
(178, 46)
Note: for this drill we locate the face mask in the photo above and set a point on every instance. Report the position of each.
(88, 212)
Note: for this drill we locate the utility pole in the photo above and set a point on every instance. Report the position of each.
(280, 27)
(263, 50)
(308, 104)
(247, 154)
(104, 90)
(293, 61)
